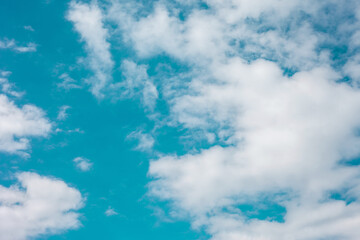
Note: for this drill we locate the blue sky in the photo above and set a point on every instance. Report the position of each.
(221, 120)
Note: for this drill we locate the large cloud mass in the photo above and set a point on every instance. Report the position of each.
(288, 137)
(264, 79)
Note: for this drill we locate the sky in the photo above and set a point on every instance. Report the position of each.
(180, 119)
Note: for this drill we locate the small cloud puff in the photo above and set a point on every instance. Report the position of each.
(30, 47)
(62, 115)
(29, 28)
(67, 82)
(76, 130)
(11, 44)
(110, 212)
(83, 164)
(145, 140)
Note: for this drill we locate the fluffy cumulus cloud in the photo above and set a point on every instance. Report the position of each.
(289, 135)
(37, 206)
(265, 81)
(9, 112)
(19, 124)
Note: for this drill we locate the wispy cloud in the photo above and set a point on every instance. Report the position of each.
(136, 83)
(110, 212)
(88, 22)
(30, 47)
(29, 28)
(62, 114)
(75, 130)
(67, 82)
(6, 43)
(11, 44)
(7, 87)
(145, 141)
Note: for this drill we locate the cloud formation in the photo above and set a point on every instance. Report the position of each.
(62, 114)
(289, 137)
(110, 212)
(12, 45)
(263, 79)
(88, 22)
(137, 83)
(19, 124)
(145, 140)
(37, 206)
(288, 134)
(68, 82)
(83, 164)
(29, 28)
(6, 86)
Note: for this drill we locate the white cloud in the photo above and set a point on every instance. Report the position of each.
(30, 47)
(352, 69)
(5, 73)
(18, 124)
(145, 140)
(37, 206)
(137, 83)
(67, 82)
(6, 86)
(62, 114)
(289, 135)
(6, 43)
(88, 21)
(29, 28)
(83, 164)
(11, 44)
(110, 212)
(213, 35)
(282, 138)
(279, 138)
(76, 130)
